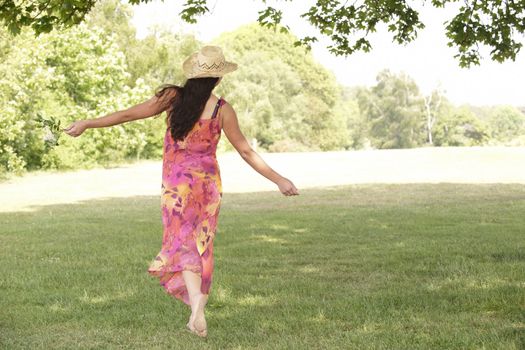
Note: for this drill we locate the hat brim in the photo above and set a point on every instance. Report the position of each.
(190, 62)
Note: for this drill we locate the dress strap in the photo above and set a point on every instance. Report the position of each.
(219, 103)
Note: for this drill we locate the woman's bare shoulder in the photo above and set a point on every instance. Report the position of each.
(227, 107)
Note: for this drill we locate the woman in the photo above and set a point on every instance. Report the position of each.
(191, 182)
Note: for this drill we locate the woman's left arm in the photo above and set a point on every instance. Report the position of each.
(146, 109)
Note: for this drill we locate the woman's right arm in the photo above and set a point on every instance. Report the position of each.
(230, 125)
(149, 108)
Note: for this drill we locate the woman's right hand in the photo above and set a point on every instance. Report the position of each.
(287, 187)
(76, 128)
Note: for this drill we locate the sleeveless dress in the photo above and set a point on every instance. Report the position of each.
(190, 202)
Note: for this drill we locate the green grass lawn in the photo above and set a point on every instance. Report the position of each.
(423, 266)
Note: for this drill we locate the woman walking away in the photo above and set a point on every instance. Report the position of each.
(191, 183)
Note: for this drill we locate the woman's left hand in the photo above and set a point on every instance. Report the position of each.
(76, 128)
(287, 187)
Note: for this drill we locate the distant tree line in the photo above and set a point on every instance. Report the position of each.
(284, 98)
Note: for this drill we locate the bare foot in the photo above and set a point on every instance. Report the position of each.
(197, 323)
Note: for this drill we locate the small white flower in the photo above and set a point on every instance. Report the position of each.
(49, 136)
(52, 130)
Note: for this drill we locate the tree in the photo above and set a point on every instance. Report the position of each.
(496, 24)
(394, 111)
(280, 92)
(151, 58)
(71, 75)
(507, 123)
(432, 106)
(459, 126)
(356, 123)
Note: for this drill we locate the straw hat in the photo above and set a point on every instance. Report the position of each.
(208, 62)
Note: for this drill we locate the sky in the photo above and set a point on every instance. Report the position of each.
(427, 59)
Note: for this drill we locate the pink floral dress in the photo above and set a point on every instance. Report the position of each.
(190, 203)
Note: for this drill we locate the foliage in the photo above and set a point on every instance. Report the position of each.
(280, 91)
(43, 16)
(394, 111)
(284, 99)
(496, 24)
(67, 75)
(459, 126)
(152, 58)
(354, 122)
(54, 129)
(507, 123)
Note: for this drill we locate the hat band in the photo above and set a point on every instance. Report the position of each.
(205, 66)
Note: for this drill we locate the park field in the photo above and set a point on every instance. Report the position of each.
(361, 266)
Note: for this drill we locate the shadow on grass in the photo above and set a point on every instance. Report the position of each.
(364, 266)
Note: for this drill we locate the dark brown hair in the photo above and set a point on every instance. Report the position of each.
(187, 104)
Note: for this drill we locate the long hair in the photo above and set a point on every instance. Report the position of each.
(188, 104)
